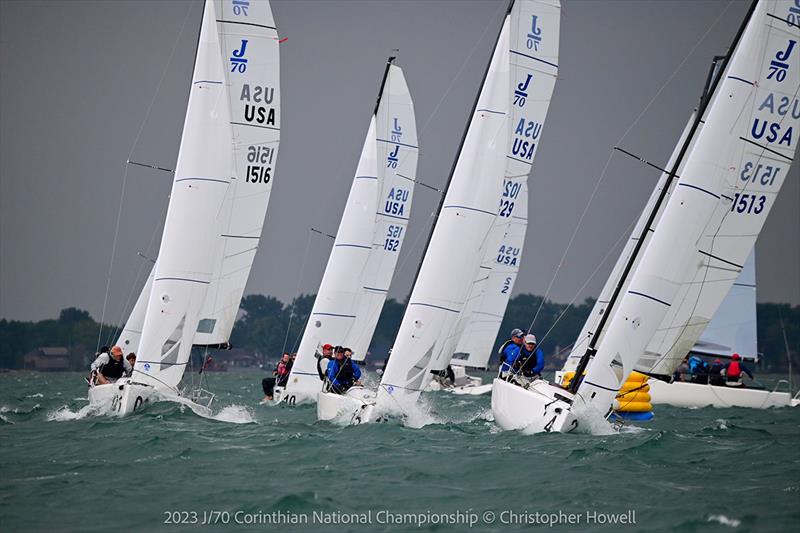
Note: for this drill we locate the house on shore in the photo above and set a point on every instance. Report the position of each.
(53, 358)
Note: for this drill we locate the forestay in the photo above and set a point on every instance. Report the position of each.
(534, 69)
(370, 235)
(744, 132)
(248, 43)
(426, 338)
(185, 263)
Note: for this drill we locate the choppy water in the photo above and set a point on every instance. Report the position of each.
(65, 468)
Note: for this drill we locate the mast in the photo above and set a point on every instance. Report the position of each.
(458, 152)
(389, 63)
(591, 350)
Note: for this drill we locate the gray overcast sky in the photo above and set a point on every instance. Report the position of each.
(77, 79)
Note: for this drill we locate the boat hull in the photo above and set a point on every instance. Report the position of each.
(292, 397)
(681, 394)
(121, 398)
(356, 406)
(541, 408)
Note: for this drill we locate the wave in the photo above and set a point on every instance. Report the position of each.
(65, 414)
(724, 520)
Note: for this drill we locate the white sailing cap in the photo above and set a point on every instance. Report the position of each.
(530, 339)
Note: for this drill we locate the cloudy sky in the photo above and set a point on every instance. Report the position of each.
(78, 78)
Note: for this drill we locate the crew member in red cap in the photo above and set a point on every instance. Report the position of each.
(327, 353)
(734, 371)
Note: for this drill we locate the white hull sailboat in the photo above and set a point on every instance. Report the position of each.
(219, 198)
(733, 330)
(693, 395)
(368, 242)
(493, 161)
(700, 224)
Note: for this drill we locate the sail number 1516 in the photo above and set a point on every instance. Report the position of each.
(259, 173)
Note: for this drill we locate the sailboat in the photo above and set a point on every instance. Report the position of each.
(217, 205)
(504, 127)
(694, 237)
(732, 330)
(368, 242)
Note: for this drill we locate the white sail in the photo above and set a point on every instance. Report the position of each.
(741, 131)
(600, 307)
(364, 255)
(763, 159)
(132, 331)
(185, 263)
(426, 337)
(486, 304)
(397, 171)
(533, 56)
(248, 42)
(733, 328)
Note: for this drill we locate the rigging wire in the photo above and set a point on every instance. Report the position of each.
(706, 270)
(611, 155)
(127, 166)
(297, 290)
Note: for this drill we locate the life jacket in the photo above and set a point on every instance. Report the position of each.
(113, 369)
(344, 376)
(526, 361)
(283, 368)
(734, 371)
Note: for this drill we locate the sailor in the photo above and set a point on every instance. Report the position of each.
(326, 356)
(715, 373)
(109, 367)
(342, 372)
(509, 351)
(268, 384)
(446, 377)
(131, 358)
(283, 369)
(698, 369)
(530, 361)
(734, 371)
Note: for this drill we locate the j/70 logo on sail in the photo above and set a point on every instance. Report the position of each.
(240, 7)
(238, 61)
(535, 35)
(780, 65)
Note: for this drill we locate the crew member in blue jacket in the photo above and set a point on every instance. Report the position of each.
(342, 372)
(530, 361)
(509, 351)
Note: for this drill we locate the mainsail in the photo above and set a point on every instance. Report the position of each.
(463, 234)
(248, 43)
(730, 179)
(370, 235)
(533, 56)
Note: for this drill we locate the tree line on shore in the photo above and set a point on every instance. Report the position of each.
(267, 327)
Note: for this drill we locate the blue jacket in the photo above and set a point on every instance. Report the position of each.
(531, 368)
(509, 356)
(336, 378)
